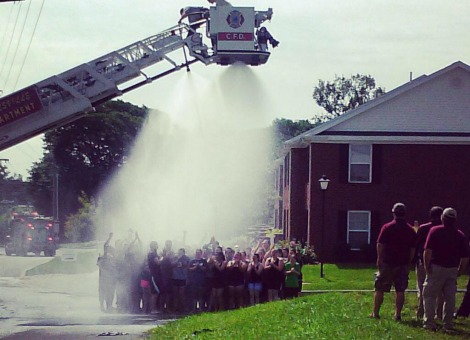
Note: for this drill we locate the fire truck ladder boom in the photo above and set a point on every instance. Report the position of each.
(234, 34)
(68, 96)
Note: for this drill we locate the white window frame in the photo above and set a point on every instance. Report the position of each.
(349, 230)
(359, 163)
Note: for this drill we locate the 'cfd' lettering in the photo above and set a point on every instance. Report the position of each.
(233, 36)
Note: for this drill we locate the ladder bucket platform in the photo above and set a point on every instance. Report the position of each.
(253, 58)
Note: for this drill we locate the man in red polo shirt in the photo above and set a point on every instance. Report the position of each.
(422, 234)
(395, 251)
(445, 256)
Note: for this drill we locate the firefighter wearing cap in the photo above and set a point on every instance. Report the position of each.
(445, 256)
(395, 251)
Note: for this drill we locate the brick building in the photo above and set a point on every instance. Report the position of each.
(410, 145)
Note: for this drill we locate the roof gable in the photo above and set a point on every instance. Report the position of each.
(427, 106)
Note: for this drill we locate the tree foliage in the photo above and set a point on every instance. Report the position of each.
(84, 154)
(344, 94)
(286, 129)
(80, 226)
(4, 172)
(41, 184)
(99, 142)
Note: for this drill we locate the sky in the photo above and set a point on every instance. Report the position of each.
(318, 40)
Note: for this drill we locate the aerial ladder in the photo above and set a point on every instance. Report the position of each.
(231, 35)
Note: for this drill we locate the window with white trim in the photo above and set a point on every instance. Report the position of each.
(358, 234)
(360, 163)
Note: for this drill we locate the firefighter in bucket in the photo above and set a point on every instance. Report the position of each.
(263, 37)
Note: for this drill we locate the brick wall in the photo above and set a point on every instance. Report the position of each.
(418, 175)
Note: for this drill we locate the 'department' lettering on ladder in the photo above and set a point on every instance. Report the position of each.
(19, 105)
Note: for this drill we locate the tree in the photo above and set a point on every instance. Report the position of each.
(85, 153)
(80, 226)
(40, 184)
(4, 173)
(99, 142)
(344, 94)
(286, 129)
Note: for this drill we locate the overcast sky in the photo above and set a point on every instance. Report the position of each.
(319, 39)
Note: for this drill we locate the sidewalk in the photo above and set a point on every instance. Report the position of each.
(319, 291)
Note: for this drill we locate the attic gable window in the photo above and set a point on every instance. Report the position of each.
(360, 163)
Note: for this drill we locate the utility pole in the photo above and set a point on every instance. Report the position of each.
(55, 200)
(3, 160)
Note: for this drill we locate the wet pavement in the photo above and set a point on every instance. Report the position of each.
(60, 306)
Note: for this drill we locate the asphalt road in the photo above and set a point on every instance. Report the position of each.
(59, 306)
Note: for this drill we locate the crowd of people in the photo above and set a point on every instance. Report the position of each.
(218, 278)
(213, 279)
(442, 254)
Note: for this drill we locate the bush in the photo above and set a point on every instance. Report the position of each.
(80, 226)
(306, 251)
(308, 254)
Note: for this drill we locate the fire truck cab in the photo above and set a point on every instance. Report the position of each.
(31, 234)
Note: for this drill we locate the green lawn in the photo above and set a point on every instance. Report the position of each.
(339, 277)
(332, 315)
(350, 276)
(84, 263)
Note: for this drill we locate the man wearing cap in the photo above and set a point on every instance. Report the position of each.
(445, 256)
(435, 219)
(395, 251)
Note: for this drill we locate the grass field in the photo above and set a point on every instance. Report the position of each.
(85, 263)
(330, 315)
(351, 276)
